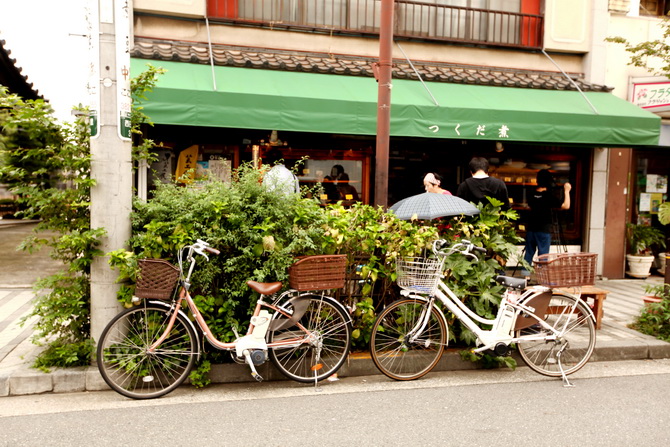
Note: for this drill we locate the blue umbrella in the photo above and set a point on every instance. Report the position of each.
(430, 205)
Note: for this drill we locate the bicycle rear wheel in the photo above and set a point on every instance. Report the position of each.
(321, 350)
(125, 362)
(575, 341)
(398, 349)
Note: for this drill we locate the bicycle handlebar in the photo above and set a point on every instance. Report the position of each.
(464, 246)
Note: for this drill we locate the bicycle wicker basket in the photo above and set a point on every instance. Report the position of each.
(566, 269)
(420, 275)
(319, 272)
(156, 279)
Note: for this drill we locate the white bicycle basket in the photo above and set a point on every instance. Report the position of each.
(420, 275)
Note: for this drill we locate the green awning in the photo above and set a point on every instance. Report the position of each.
(308, 102)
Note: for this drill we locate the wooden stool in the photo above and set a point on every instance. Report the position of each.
(597, 295)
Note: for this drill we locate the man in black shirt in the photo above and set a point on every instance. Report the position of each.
(476, 188)
(541, 202)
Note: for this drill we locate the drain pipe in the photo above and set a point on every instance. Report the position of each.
(384, 103)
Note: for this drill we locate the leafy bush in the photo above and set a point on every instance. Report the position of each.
(48, 165)
(654, 318)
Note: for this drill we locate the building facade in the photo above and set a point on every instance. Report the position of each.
(525, 83)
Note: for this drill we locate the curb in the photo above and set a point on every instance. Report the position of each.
(23, 380)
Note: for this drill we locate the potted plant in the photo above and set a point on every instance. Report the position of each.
(655, 293)
(641, 239)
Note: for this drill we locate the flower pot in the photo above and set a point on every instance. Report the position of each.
(639, 266)
(648, 299)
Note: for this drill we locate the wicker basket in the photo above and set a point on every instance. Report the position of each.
(566, 269)
(420, 275)
(321, 272)
(156, 279)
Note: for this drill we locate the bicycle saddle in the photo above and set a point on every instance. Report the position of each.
(512, 283)
(265, 288)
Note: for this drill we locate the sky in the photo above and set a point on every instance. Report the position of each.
(46, 37)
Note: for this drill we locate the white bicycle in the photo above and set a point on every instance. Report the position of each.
(553, 330)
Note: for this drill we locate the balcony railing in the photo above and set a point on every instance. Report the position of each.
(428, 19)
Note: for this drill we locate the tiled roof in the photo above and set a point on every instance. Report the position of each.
(11, 77)
(198, 53)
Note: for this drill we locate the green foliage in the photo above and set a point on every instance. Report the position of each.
(199, 377)
(48, 165)
(488, 361)
(474, 281)
(654, 318)
(641, 238)
(40, 157)
(664, 213)
(652, 50)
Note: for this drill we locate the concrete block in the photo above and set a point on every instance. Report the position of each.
(69, 380)
(94, 381)
(4, 385)
(620, 350)
(658, 349)
(29, 382)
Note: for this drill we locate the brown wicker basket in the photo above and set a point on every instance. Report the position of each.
(156, 279)
(321, 272)
(566, 269)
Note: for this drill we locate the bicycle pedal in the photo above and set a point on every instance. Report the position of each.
(257, 376)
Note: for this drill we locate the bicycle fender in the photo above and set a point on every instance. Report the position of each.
(183, 314)
(300, 304)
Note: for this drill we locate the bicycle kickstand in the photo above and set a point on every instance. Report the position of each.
(566, 382)
(250, 362)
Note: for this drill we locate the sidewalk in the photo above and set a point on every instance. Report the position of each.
(614, 340)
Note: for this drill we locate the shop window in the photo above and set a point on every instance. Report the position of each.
(335, 180)
(654, 7)
(651, 187)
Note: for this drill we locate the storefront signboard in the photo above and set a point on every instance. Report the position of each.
(651, 95)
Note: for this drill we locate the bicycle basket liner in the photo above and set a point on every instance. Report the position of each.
(419, 274)
(320, 272)
(566, 269)
(156, 279)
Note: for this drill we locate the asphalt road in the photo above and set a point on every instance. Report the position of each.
(612, 404)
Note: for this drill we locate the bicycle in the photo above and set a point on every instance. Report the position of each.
(148, 350)
(553, 330)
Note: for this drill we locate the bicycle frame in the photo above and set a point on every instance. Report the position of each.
(255, 337)
(502, 330)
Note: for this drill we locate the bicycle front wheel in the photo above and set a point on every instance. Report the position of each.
(405, 345)
(572, 347)
(317, 351)
(130, 368)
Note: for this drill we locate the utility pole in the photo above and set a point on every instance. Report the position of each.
(384, 103)
(111, 162)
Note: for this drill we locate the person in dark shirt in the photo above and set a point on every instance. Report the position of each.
(541, 202)
(476, 188)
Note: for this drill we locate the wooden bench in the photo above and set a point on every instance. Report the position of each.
(598, 296)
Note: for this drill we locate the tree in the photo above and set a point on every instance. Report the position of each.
(643, 53)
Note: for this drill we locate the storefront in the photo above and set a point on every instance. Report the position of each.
(438, 127)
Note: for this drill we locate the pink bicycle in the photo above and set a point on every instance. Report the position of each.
(149, 350)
